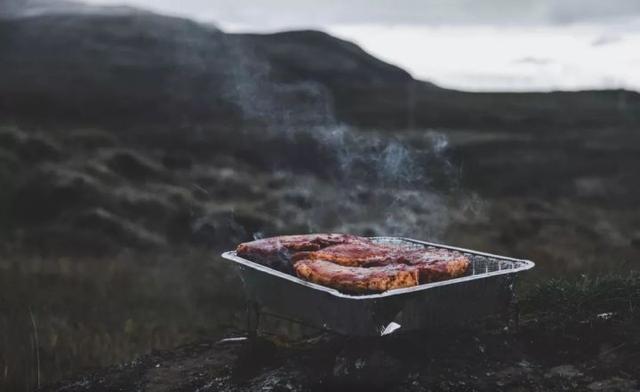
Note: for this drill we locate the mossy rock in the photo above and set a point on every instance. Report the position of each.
(28, 147)
(105, 223)
(133, 166)
(90, 139)
(47, 193)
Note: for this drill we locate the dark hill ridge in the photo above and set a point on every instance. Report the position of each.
(95, 67)
(25, 8)
(322, 57)
(131, 67)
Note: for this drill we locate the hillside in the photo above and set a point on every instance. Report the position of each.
(131, 67)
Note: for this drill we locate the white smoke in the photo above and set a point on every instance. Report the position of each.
(370, 182)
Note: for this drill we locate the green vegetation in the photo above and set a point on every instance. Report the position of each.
(88, 313)
(585, 297)
(95, 312)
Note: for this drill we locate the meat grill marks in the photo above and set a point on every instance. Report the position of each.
(276, 252)
(357, 280)
(432, 264)
(437, 264)
(357, 254)
(354, 264)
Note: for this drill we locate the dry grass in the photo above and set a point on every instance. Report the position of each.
(62, 316)
(585, 300)
(65, 315)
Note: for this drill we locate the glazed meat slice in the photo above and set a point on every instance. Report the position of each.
(354, 264)
(433, 264)
(357, 280)
(436, 264)
(276, 252)
(357, 254)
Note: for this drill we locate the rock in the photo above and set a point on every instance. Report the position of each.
(225, 227)
(300, 197)
(177, 161)
(37, 149)
(47, 193)
(366, 369)
(9, 179)
(10, 137)
(253, 221)
(203, 232)
(564, 371)
(90, 138)
(227, 183)
(614, 384)
(143, 206)
(29, 147)
(62, 240)
(278, 381)
(132, 165)
(103, 222)
(512, 375)
(90, 232)
(9, 160)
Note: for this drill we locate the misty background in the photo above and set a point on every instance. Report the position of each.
(488, 46)
(138, 141)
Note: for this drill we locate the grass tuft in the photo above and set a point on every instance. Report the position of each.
(585, 299)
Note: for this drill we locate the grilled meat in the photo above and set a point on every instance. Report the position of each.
(276, 252)
(359, 254)
(357, 280)
(433, 264)
(354, 264)
(436, 264)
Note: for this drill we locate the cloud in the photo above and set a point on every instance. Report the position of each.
(606, 39)
(260, 14)
(530, 60)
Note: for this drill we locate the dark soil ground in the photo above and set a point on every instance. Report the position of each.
(564, 342)
(467, 360)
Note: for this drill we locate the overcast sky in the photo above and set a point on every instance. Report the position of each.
(467, 44)
(261, 14)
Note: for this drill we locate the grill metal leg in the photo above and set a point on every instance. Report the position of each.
(511, 315)
(253, 319)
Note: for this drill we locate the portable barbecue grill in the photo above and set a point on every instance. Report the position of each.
(486, 289)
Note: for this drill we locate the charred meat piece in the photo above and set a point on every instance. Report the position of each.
(436, 264)
(357, 280)
(433, 264)
(276, 252)
(358, 254)
(354, 264)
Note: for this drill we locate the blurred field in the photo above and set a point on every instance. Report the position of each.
(61, 315)
(575, 333)
(68, 315)
(111, 247)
